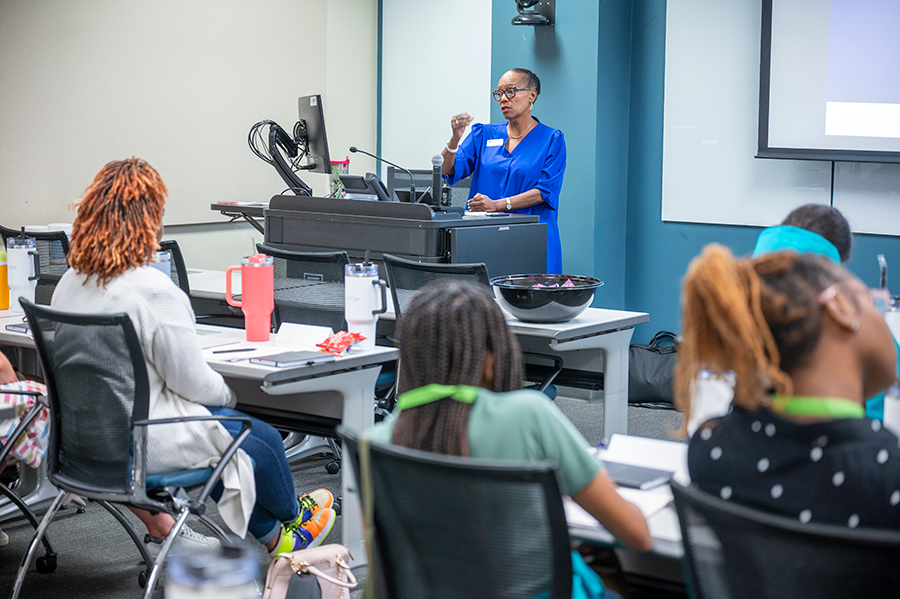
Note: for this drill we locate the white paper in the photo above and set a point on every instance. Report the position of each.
(649, 502)
(303, 334)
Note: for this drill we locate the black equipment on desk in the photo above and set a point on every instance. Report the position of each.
(507, 244)
(369, 185)
(412, 181)
(308, 144)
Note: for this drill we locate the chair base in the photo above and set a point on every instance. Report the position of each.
(299, 446)
(34, 488)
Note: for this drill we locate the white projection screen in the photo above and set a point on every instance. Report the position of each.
(830, 80)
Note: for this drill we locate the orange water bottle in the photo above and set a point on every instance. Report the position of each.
(4, 283)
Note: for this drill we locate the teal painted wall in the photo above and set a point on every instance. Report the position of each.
(602, 69)
(593, 118)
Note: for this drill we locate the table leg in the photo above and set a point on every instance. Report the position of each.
(614, 347)
(357, 387)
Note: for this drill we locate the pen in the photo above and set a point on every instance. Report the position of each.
(231, 351)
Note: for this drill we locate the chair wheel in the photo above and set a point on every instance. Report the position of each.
(336, 506)
(142, 578)
(333, 467)
(46, 564)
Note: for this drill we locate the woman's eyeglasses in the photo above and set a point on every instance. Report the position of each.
(509, 92)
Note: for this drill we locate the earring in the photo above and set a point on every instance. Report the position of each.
(531, 107)
(854, 326)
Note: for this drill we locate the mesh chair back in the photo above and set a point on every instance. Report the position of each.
(309, 287)
(176, 261)
(736, 552)
(448, 527)
(406, 277)
(52, 249)
(97, 385)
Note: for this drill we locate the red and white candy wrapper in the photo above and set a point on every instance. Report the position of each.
(339, 343)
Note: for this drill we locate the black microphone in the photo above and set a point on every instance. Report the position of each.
(412, 182)
(437, 181)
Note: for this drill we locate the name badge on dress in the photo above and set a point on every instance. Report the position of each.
(493, 143)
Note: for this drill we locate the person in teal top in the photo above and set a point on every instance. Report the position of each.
(817, 229)
(460, 394)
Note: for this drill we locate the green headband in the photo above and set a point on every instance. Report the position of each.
(431, 393)
(831, 407)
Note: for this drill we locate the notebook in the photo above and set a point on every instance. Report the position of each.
(637, 477)
(293, 358)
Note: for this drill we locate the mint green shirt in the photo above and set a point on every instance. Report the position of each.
(521, 425)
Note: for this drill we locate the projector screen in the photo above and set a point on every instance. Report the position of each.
(830, 80)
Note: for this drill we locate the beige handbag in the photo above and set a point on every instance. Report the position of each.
(321, 572)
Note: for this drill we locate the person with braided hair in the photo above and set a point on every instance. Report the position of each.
(461, 394)
(807, 343)
(116, 231)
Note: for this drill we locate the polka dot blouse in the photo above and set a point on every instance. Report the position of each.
(841, 471)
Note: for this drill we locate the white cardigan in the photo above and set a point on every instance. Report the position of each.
(181, 382)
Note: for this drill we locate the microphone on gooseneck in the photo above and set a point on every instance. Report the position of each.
(437, 180)
(412, 182)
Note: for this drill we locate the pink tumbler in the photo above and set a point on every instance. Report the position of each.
(257, 294)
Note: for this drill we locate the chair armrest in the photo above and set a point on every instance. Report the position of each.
(247, 424)
(26, 420)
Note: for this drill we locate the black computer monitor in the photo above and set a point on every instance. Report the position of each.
(312, 119)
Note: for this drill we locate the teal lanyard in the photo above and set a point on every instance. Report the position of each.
(830, 407)
(430, 393)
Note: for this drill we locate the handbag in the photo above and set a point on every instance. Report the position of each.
(651, 370)
(317, 573)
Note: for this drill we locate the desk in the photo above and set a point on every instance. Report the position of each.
(596, 341)
(343, 389)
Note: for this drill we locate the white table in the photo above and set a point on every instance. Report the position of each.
(343, 389)
(596, 341)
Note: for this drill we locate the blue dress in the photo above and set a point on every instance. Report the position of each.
(537, 162)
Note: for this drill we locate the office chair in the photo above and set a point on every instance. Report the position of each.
(99, 396)
(52, 249)
(737, 552)
(406, 277)
(179, 272)
(309, 287)
(453, 527)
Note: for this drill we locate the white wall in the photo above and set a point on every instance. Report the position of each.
(177, 83)
(710, 174)
(83, 82)
(436, 62)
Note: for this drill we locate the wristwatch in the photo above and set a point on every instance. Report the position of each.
(508, 204)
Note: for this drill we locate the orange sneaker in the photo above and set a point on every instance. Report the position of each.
(309, 534)
(311, 503)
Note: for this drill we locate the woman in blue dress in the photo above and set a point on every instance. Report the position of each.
(516, 166)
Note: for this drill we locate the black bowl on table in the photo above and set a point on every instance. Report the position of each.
(533, 298)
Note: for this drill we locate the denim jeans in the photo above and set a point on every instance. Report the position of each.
(276, 499)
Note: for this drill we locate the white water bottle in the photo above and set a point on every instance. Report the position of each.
(892, 409)
(23, 270)
(365, 297)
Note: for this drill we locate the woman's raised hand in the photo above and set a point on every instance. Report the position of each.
(459, 123)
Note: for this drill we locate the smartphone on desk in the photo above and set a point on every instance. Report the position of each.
(19, 327)
(293, 358)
